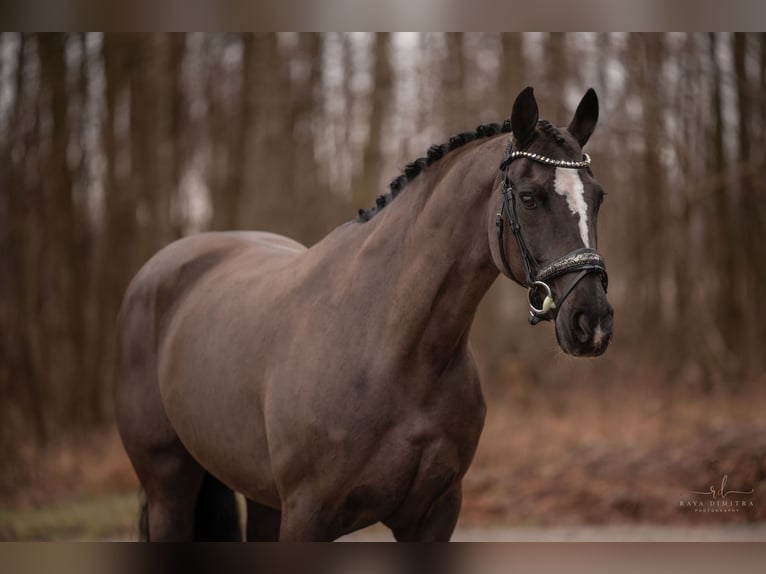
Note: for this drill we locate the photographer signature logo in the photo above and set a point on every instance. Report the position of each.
(722, 492)
(719, 499)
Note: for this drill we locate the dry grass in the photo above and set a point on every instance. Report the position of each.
(587, 453)
(80, 488)
(73, 467)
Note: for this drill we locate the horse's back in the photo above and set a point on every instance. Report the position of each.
(196, 254)
(174, 270)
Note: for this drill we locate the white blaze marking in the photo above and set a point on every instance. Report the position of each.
(569, 184)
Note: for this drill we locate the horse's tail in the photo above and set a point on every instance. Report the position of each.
(216, 514)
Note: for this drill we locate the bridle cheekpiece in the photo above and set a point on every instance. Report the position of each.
(584, 260)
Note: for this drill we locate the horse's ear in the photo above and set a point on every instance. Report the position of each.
(585, 118)
(524, 117)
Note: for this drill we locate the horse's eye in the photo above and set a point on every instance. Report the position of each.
(527, 200)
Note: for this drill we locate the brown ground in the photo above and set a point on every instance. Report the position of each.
(576, 455)
(618, 455)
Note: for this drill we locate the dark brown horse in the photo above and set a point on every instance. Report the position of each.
(334, 386)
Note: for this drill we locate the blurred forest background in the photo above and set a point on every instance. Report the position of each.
(113, 145)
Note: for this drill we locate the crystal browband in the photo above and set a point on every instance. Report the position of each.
(550, 161)
(580, 259)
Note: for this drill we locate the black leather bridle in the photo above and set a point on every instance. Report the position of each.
(583, 261)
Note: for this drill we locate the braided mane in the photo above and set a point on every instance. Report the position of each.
(434, 154)
(551, 131)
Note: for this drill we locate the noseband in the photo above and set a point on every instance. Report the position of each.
(581, 261)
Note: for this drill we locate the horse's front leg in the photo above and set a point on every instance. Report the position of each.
(302, 521)
(438, 523)
(263, 523)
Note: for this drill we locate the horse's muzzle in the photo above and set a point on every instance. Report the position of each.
(591, 332)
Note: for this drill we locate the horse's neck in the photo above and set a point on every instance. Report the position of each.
(442, 266)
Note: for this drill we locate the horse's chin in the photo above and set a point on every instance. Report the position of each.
(580, 352)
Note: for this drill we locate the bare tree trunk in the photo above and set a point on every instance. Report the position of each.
(270, 138)
(369, 184)
(760, 212)
(217, 125)
(116, 254)
(226, 215)
(305, 184)
(178, 146)
(653, 238)
(66, 268)
(556, 77)
(452, 97)
(762, 90)
(86, 245)
(721, 236)
(141, 144)
(685, 328)
(22, 371)
(150, 137)
(512, 71)
(345, 129)
(749, 253)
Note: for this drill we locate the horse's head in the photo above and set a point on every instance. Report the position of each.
(544, 233)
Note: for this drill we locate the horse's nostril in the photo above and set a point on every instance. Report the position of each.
(582, 327)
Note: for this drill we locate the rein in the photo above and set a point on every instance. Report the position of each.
(584, 260)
